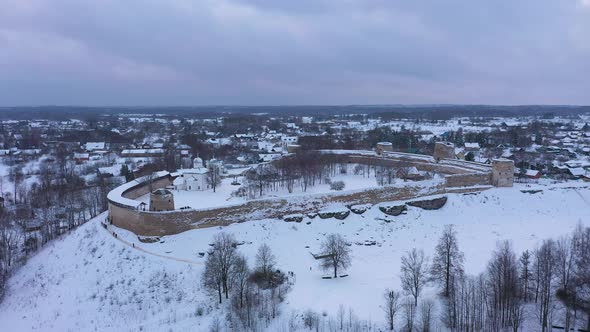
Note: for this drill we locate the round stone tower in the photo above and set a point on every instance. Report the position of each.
(161, 200)
(502, 172)
(383, 146)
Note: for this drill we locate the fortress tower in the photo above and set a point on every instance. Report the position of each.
(161, 200)
(502, 172)
(444, 150)
(383, 146)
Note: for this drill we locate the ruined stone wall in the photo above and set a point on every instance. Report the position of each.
(467, 180)
(148, 223)
(144, 189)
(422, 164)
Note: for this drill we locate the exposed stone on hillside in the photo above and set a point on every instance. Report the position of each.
(360, 208)
(293, 217)
(393, 210)
(429, 204)
(338, 214)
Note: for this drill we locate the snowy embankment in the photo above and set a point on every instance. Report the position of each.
(89, 280)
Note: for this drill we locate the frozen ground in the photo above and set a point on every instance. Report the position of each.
(89, 280)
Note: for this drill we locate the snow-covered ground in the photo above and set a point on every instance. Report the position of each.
(91, 281)
(223, 193)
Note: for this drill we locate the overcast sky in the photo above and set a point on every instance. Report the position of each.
(284, 52)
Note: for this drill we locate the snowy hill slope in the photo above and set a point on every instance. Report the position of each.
(88, 281)
(91, 281)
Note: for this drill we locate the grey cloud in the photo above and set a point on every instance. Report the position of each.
(294, 52)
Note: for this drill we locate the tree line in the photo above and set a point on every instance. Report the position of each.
(546, 286)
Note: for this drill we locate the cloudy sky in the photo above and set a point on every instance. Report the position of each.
(279, 52)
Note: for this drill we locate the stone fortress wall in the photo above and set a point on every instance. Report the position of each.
(459, 176)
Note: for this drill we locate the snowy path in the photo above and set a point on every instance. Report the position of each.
(582, 197)
(133, 246)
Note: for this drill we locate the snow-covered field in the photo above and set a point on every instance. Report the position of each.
(91, 281)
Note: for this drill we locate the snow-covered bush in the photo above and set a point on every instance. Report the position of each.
(240, 192)
(358, 169)
(337, 185)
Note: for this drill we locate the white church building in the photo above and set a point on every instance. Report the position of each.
(192, 179)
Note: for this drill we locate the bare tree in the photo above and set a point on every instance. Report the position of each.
(581, 275)
(525, 274)
(426, 308)
(215, 325)
(564, 267)
(413, 273)
(10, 238)
(340, 316)
(213, 177)
(150, 180)
(447, 263)
(517, 315)
(336, 252)
(503, 287)
(212, 276)
(392, 306)
(240, 274)
(16, 176)
(409, 314)
(544, 276)
(265, 259)
(220, 264)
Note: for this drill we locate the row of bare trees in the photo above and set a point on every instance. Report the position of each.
(545, 287)
(309, 168)
(39, 211)
(540, 288)
(253, 294)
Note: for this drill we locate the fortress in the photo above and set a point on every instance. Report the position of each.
(162, 219)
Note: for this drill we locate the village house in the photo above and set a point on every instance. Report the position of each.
(81, 157)
(142, 153)
(95, 146)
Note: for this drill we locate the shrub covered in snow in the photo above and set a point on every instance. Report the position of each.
(337, 185)
(240, 192)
